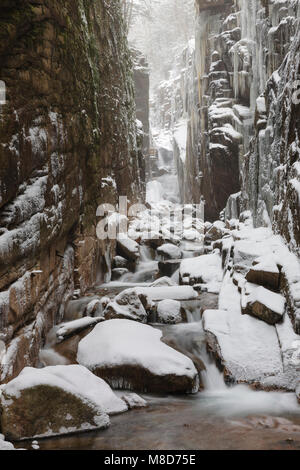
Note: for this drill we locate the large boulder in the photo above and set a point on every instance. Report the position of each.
(247, 349)
(128, 248)
(169, 267)
(128, 304)
(130, 355)
(264, 272)
(215, 232)
(56, 400)
(265, 305)
(170, 312)
(169, 251)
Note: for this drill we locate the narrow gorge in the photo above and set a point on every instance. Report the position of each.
(150, 224)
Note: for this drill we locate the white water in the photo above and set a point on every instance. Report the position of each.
(222, 400)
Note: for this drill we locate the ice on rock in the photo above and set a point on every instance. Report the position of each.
(131, 355)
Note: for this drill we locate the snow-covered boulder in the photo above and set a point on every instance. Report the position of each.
(169, 251)
(130, 355)
(169, 311)
(215, 232)
(247, 348)
(265, 305)
(5, 445)
(250, 350)
(206, 269)
(128, 248)
(264, 272)
(56, 400)
(128, 305)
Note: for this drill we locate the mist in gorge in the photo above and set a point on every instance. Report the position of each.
(160, 29)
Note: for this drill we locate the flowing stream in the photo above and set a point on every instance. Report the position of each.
(218, 417)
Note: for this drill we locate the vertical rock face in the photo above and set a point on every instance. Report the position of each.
(270, 185)
(67, 144)
(244, 89)
(142, 91)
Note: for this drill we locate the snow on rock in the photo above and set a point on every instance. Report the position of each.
(247, 347)
(130, 355)
(128, 248)
(70, 328)
(206, 269)
(215, 231)
(168, 292)
(76, 401)
(169, 311)
(169, 251)
(265, 305)
(255, 244)
(133, 400)
(162, 282)
(265, 272)
(4, 445)
(289, 343)
(128, 305)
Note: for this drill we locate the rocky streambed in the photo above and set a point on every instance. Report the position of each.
(198, 359)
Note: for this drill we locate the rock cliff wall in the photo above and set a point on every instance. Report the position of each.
(142, 91)
(235, 96)
(67, 144)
